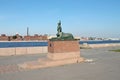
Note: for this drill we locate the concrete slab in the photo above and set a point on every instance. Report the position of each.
(46, 62)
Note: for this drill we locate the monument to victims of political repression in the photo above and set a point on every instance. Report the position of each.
(62, 49)
(64, 46)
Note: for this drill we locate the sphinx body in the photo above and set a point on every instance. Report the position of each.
(64, 36)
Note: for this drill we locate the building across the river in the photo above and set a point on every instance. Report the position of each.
(18, 37)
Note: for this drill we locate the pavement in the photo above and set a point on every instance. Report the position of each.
(101, 64)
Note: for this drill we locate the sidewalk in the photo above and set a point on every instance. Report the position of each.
(105, 66)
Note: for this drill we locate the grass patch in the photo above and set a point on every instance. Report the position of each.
(117, 50)
(85, 48)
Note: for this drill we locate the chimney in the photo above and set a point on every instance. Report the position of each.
(27, 31)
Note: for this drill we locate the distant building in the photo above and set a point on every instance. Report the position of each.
(27, 31)
(16, 37)
(3, 37)
(49, 37)
(111, 39)
(77, 37)
(35, 37)
(84, 38)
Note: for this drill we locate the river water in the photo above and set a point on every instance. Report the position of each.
(39, 43)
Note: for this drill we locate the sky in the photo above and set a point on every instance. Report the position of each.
(86, 18)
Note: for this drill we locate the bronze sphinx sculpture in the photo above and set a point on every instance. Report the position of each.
(61, 35)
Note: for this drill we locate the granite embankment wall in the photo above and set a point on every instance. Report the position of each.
(39, 50)
(99, 45)
(22, 50)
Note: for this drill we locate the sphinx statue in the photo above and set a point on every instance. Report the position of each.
(61, 35)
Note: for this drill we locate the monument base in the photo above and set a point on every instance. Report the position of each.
(61, 56)
(43, 63)
(59, 53)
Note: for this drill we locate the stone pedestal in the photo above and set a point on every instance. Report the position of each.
(59, 53)
(58, 50)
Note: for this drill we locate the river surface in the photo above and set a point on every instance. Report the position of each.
(39, 43)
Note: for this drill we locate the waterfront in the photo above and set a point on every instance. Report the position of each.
(44, 43)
